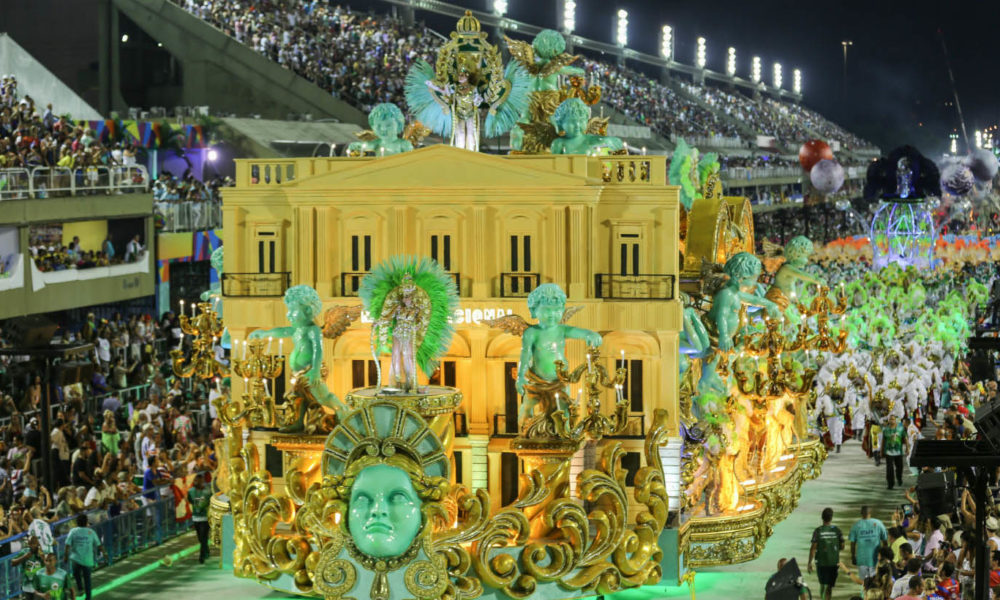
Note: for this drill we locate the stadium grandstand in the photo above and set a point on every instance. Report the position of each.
(363, 58)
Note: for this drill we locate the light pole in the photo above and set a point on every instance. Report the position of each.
(845, 44)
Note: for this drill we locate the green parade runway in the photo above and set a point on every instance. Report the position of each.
(849, 479)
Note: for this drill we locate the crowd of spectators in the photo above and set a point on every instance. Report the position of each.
(186, 203)
(651, 103)
(31, 137)
(73, 256)
(360, 59)
(364, 59)
(128, 436)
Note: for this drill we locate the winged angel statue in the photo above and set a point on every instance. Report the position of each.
(467, 76)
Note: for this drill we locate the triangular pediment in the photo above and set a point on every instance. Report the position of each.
(442, 166)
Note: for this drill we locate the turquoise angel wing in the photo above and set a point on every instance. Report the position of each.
(509, 108)
(427, 105)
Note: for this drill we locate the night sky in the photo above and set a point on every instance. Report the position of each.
(897, 75)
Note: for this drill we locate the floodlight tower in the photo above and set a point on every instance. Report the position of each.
(567, 10)
(621, 34)
(666, 51)
(797, 82)
(776, 79)
(731, 62)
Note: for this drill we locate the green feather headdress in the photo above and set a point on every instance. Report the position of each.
(440, 288)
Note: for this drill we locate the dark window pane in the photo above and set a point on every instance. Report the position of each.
(354, 253)
(513, 253)
(434, 248)
(509, 474)
(449, 373)
(358, 373)
(372, 373)
(368, 253)
(447, 253)
(635, 385)
(631, 462)
(527, 253)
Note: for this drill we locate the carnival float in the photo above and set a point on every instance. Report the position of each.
(557, 373)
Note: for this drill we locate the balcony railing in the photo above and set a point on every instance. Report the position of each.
(644, 286)
(255, 285)
(504, 427)
(351, 282)
(517, 285)
(49, 182)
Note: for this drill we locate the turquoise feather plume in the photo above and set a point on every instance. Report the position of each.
(423, 106)
(440, 288)
(501, 120)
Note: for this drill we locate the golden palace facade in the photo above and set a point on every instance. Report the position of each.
(603, 228)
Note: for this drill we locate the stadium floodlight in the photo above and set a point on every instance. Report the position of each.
(755, 70)
(777, 76)
(569, 16)
(797, 81)
(622, 36)
(500, 7)
(979, 139)
(700, 54)
(667, 42)
(954, 144)
(731, 62)
(124, 37)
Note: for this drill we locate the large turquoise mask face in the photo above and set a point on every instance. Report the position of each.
(384, 512)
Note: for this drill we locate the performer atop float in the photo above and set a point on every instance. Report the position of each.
(410, 301)
(468, 75)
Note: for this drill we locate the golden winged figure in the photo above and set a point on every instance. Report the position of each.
(338, 319)
(524, 54)
(415, 133)
(366, 135)
(598, 126)
(516, 324)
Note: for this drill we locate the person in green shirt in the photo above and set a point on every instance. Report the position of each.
(200, 496)
(32, 560)
(894, 446)
(827, 542)
(52, 583)
(867, 536)
(81, 543)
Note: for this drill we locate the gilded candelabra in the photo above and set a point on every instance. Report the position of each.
(206, 327)
(822, 307)
(776, 379)
(257, 406)
(570, 425)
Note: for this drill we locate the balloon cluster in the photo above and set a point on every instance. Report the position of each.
(825, 173)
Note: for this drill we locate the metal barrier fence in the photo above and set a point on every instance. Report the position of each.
(45, 182)
(190, 215)
(123, 535)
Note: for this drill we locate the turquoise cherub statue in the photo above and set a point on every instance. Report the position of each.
(723, 318)
(571, 119)
(792, 272)
(545, 343)
(387, 125)
(306, 361)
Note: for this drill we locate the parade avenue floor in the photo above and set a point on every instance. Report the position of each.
(848, 479)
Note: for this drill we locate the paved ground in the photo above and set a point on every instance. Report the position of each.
(848, 480)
